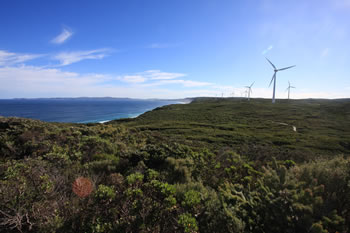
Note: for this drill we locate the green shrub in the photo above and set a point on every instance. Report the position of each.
(191, 198)
(134, 178)
(188, 223)
(104, 192)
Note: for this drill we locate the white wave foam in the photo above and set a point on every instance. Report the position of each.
(101, 122)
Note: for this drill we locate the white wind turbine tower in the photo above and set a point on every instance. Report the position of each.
(274, 78)
(249, 90)
(245, 93)
(288, 88)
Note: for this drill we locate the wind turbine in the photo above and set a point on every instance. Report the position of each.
(245, 93)
(249, 90)
(288, 88)
(274, 78)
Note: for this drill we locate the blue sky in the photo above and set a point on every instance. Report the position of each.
(173, 49)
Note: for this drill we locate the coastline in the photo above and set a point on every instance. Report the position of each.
(80, 110)
(105, 121)
(134, 115)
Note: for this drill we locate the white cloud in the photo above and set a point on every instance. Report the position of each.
(185, 83)
(32, 75)
(133, 79)
(158, 75)
(267, 50)
(152, 78)
(30, 81)
(64, 36)
(67, 58)
(8, 58)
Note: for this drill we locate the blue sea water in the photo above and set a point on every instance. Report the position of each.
(78, 110)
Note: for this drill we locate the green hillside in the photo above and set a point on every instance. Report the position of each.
(215, 165)
(257, 129)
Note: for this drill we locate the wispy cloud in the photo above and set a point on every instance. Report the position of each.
(31, 81)
(63, 37)
(158, 75)
(185, 83)
(152, 78)
(8, 58)
(133, 79)
(162, 45)
(267, 50)
(67, 58)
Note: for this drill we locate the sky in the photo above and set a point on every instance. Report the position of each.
(174, 49)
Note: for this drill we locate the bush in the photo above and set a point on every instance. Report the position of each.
(188, 223)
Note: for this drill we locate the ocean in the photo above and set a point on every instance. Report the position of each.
(78, 110)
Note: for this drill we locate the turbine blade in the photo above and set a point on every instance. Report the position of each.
(286, 68)
(287, 89)
(271, 63)
(274, 76)
(252, 84)
(292, 87)
(288, 83)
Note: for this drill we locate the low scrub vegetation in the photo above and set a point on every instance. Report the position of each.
(215, 165)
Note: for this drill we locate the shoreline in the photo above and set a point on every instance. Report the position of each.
(134, 115)
(81, 112)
